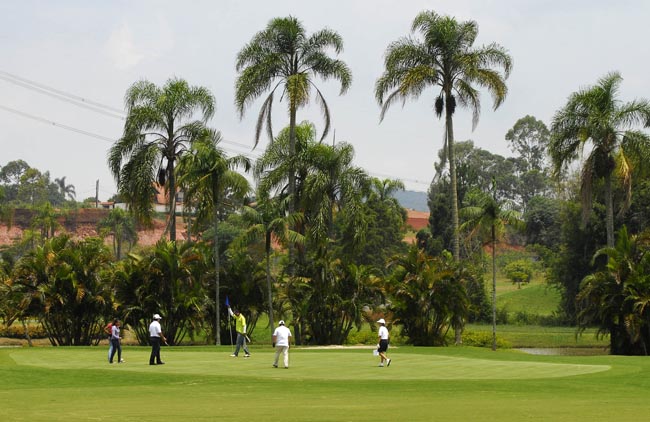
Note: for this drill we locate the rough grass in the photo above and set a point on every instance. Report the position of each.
(422, 384)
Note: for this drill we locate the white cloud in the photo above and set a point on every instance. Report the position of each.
(127, 48)
(121, 48)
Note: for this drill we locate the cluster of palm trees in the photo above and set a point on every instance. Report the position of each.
(339, 227)
(283, 60)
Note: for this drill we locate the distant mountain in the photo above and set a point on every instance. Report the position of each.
(412, 199)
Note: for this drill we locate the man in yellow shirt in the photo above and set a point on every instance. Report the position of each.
(240, 327)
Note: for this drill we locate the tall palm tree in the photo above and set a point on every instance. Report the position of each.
(445, 59)
(283, 55)
(66, 190)
(157, 132)
(211, 181)
(267, 220)
(595, 118)
(488, 217)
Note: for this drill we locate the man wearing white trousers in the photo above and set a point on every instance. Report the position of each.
(281, 341)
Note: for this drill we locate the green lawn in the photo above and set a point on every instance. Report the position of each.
(422, 384)
(535, 297)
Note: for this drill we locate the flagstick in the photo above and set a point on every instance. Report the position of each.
(232, 346)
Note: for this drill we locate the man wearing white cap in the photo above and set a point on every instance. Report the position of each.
(155, 335)
(383, 343)
(281, 341)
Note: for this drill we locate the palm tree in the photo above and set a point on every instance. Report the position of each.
(488, 218)
(334, 184)
(446, 59)
(66, 190)
(267, 220)
(63, 283)
(428, 295)
(211, 181)
(282, 55)
(595, 118)
(157, 133)
(121, 227)
(616, 298)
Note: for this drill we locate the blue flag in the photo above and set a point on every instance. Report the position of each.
(227, 302)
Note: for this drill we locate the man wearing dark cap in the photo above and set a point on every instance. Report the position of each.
(240, 327)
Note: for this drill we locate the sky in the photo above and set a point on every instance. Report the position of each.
(56, 54)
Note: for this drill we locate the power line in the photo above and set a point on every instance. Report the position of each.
(110, 111)
(36, 86)
(52, 123)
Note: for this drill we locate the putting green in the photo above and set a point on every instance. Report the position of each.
(305, 364)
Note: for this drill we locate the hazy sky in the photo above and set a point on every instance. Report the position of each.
(95, 49)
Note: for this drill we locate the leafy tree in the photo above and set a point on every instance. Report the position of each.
(157, 132)
(211, 182)
(530, 137)
(382, 232)
(519, 271)
(10, 175)
(488, 218)
(595, 118)
(573, 261)
(282, 55)
(542, 221)
(444, 58)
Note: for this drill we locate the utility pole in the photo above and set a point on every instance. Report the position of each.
(97, 194)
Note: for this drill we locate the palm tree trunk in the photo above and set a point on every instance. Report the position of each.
(268, 281)
(217, 267)
(454, 183)
(609, 211)
(172, 200)
(292, 177)
(449, 126)
(494, 290)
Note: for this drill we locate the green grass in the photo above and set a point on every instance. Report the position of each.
(422, 384)
(535, 297)
(518, 336)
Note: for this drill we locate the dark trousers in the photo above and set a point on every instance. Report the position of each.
(155, 350)
(115, 347)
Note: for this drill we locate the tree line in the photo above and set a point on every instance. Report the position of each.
(318, 241)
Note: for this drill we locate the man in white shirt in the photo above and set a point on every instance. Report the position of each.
(383, 343)
(281, 341)
(155, 335)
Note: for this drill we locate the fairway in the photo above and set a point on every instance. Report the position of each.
(204, 383)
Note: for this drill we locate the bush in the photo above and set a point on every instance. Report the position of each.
(17, 331)
(483, 339)
(364, 336)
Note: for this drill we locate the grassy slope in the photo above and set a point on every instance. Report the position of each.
(534, 298)
(422, 384)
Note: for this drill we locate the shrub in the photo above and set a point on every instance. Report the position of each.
(483, 339)
(17, 331)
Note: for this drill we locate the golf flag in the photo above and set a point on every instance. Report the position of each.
(227, 302)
